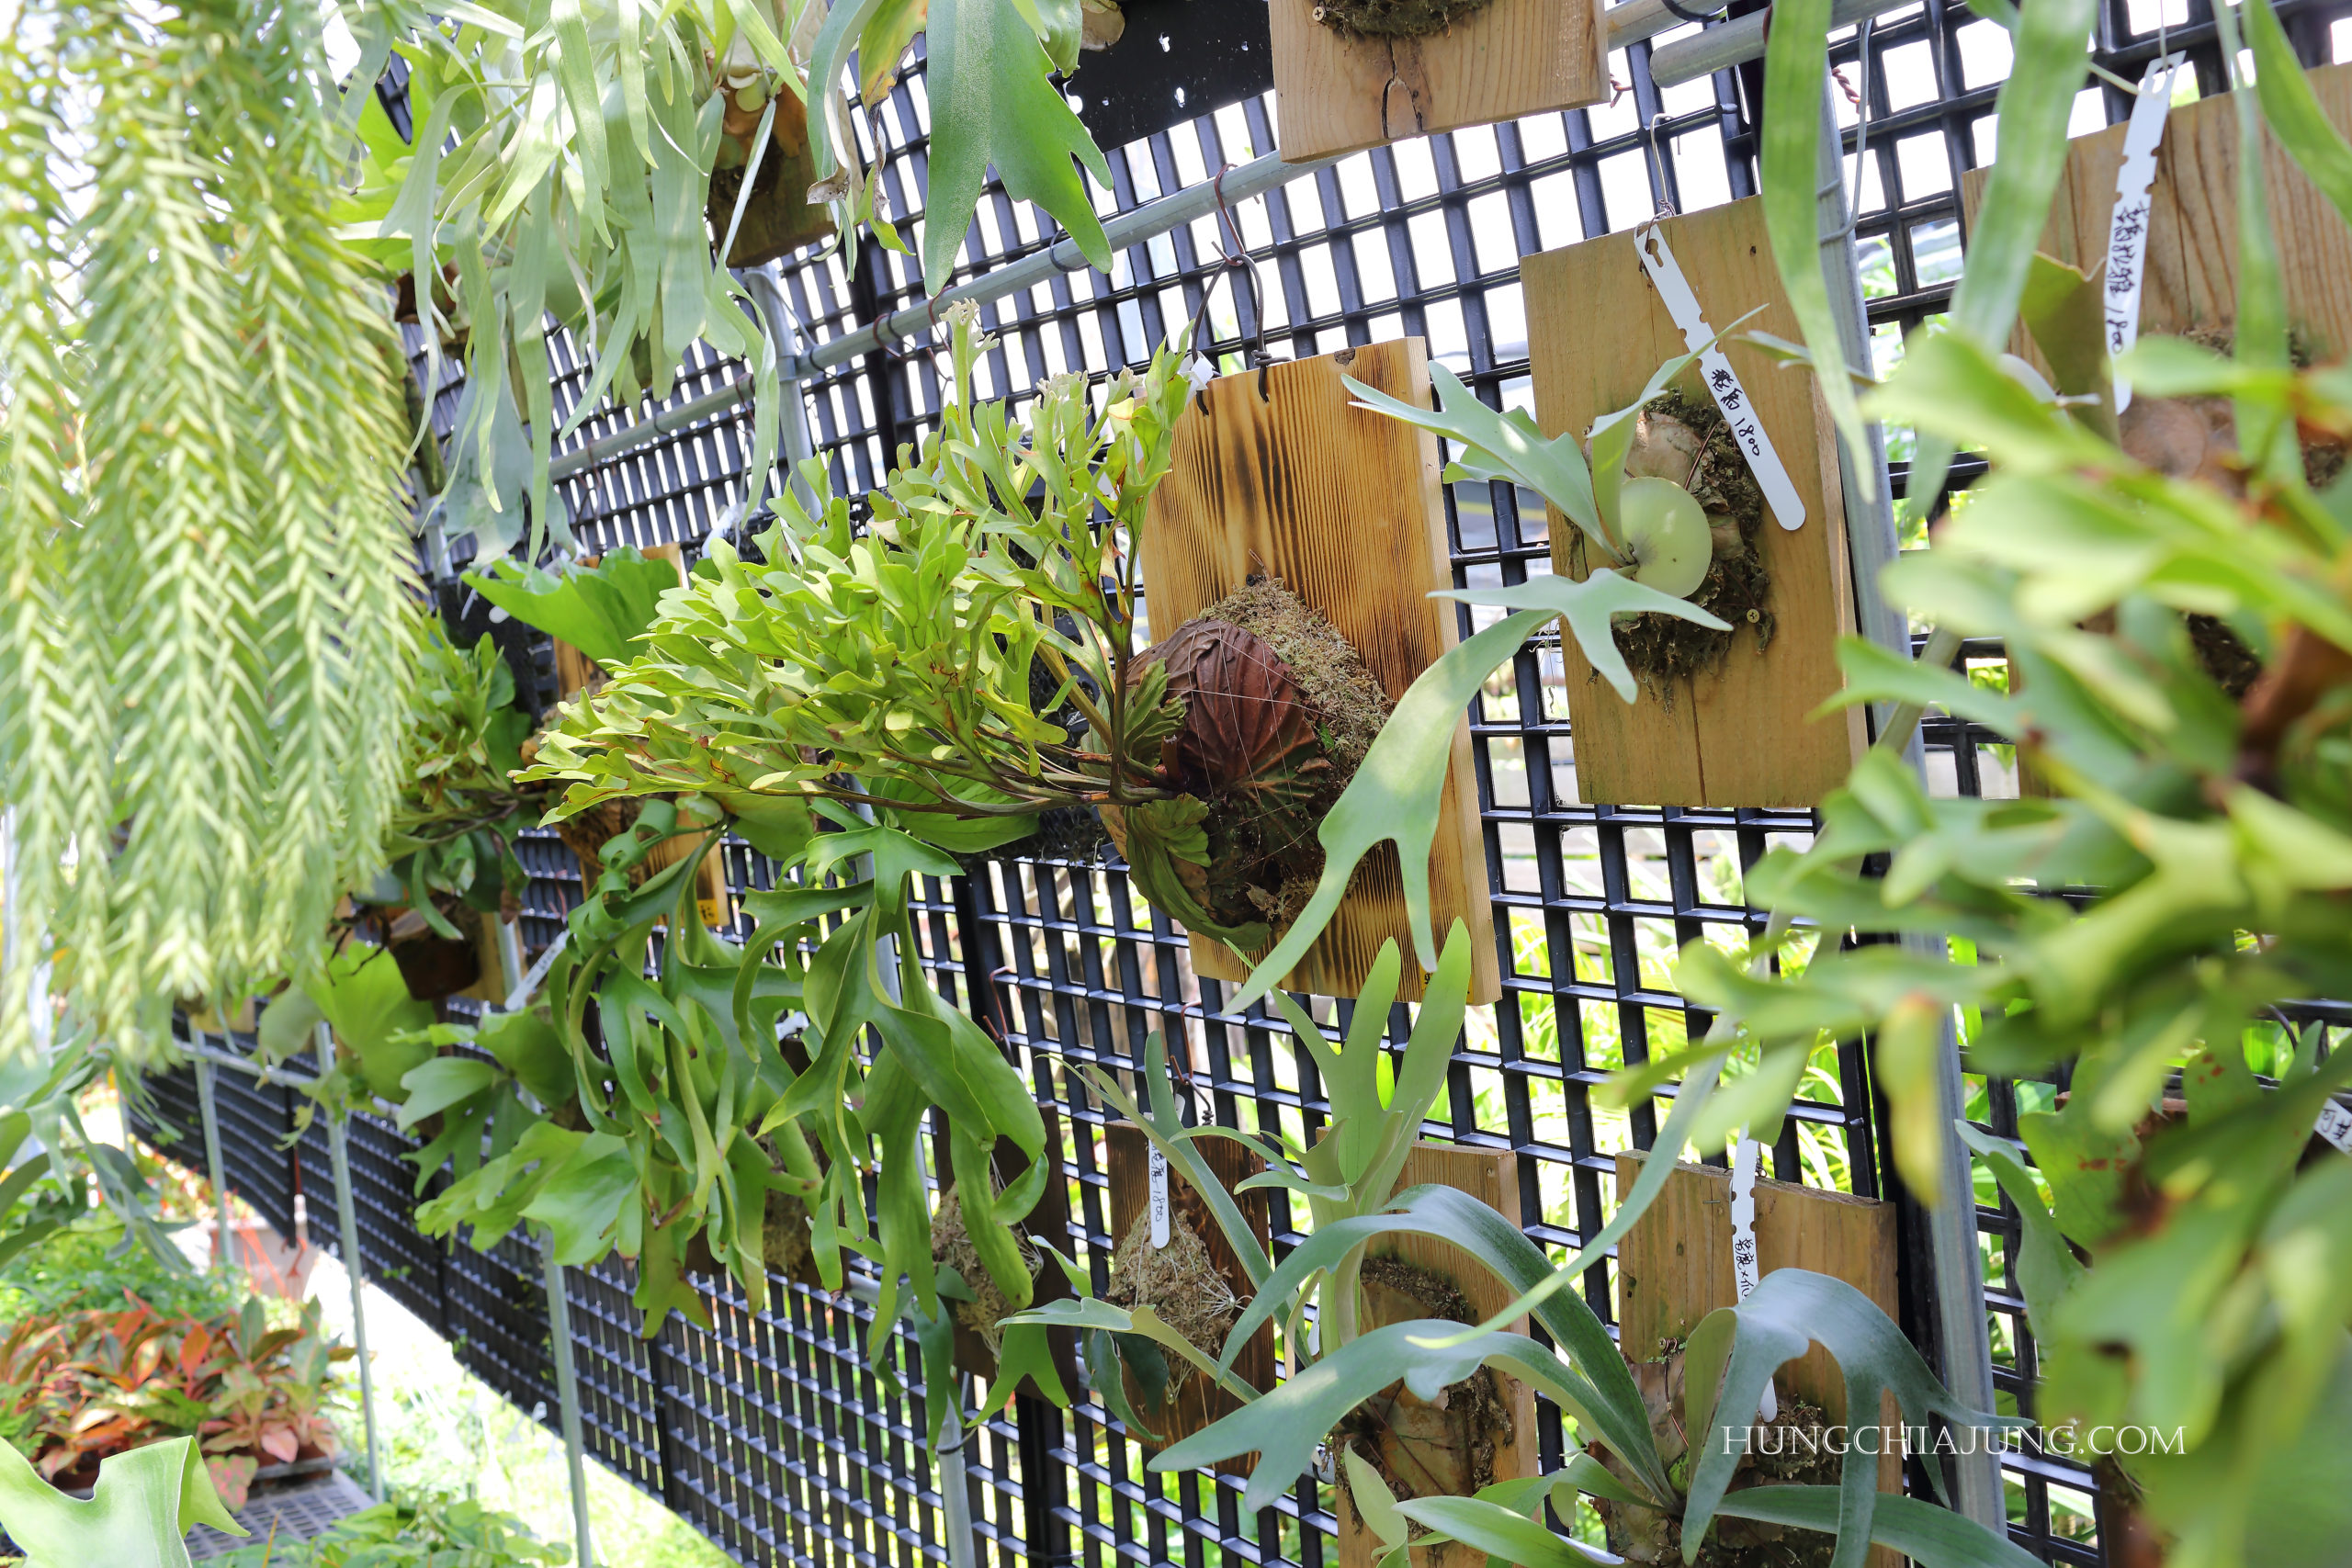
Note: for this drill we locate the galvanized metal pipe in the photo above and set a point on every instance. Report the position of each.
(1871, 543)
(1145, 223)
(567, 1392)
(354, 1269)
(567, 1375)
(224, 1239)
(1741, 39)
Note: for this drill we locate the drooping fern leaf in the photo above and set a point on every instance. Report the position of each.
(202, 619)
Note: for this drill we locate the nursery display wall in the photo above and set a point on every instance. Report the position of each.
(768, 1431)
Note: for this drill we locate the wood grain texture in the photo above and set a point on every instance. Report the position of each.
(1741, 735)
(1339, 94)
(1344, 506)
(2192, 258)
(573, 671)
(1491, 1177)
(1128, 1160)
(1674, 1267)
(492, 987)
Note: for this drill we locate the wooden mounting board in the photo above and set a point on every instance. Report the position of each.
(1741, 734)
(573, 671)
(2191, 271)
(1674, 1267)
(1343, 505)
(1128, 1160)
(1491, 1177)
(1336, 93)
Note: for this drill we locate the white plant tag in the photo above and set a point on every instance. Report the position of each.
(1158, 1199)
(1722, 381)
(2127, 229)
(1744, 1161)
(535, 976)
(2334, 1124)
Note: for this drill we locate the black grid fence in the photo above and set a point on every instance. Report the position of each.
(769, 1431)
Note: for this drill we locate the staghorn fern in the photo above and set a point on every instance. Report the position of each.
(202, 622)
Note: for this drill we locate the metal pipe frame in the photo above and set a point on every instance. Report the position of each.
(223, 1239)
(346, 1213)
(1872, 544)
(1714, 49)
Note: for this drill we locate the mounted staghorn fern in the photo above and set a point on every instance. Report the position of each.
(2141, 924)
(1671, 1477)
(203, 634)
(1652, 531)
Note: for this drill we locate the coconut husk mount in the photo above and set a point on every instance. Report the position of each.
(1279, 709)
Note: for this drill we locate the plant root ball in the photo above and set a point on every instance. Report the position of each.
(951, 1247)
(1790, 1451)
(1178, 1281)
(1685, 441)
(1393, 18)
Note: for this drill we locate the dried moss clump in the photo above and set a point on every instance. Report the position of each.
(1394, 19)
(951, 1247)
(1688, 441)
(1180, 1283)
(1424, 1450)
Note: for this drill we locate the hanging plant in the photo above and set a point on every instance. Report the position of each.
(203, 649)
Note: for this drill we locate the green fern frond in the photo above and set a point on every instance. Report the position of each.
(205, 579)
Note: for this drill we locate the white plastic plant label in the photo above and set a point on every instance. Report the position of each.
(1158, 1199)
(2334, 1124)
(1722, 381)
(2127, 229)
(1745, 1158)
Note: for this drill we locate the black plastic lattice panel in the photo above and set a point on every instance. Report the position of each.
(768, 1430)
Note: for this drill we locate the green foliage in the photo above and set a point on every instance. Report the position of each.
(562, 165)
(65, 1198)
(2050, 45)
(987, 75)
(640, 1154)
(2189, 1268)
(600, 610)
(436, 1531)
(138, 1516)
(202, 650)
(459, 811)
(901, 657)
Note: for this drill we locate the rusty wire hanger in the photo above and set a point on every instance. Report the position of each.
(1236, 262)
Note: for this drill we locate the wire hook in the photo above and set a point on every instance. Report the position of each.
(1235, 263)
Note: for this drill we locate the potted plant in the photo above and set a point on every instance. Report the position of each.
(451, 859)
